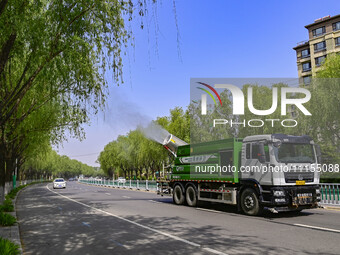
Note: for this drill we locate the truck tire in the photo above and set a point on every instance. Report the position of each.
(250, 203)
(191, 195)
(178, 196)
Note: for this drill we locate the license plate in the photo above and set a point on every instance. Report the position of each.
(59, 186)
(300, 182)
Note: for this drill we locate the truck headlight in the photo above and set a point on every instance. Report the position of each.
(279, 193)
(317, 191)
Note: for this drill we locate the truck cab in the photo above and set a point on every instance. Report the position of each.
(284, 167)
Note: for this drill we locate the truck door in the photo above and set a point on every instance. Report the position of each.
(250, 162)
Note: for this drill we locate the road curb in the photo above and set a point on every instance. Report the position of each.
(18, 240)
(331, 208)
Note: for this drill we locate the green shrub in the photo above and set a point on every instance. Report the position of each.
(12, 194)
(7, 206)
(8, 248)
(7, 220)
(330, 180)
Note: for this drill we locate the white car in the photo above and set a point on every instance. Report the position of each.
(121, 180)
(59, 183)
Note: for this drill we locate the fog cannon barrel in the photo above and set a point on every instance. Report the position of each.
(172, 142)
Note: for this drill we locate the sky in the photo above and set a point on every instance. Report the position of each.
(196, 39)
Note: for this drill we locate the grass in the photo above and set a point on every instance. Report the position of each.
(7, 220)
(8, 248)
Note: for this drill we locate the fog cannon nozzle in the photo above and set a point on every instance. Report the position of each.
(172, 142)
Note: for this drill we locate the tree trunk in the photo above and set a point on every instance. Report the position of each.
(140, 173)
(147, 173)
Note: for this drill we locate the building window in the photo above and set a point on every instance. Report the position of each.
(306, 81)
(319, 60)
(306, 67)
(320, 46)
(337, 41)
(336, 26)
(305, 53)
(319, 31)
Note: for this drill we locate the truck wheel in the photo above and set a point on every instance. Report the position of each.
(250, 203)
(191, 195)
(178, 195)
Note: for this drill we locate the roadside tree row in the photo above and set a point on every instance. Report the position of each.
(134, 156)
(48, 165)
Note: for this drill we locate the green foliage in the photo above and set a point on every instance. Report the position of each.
(53, 60)
(324, 124)
(7, 206)
(49, 164)
(330, 68)
(330, 177)
(7, 219)
(13, 193)
(178, 123)
(134, 155)
(8, 248)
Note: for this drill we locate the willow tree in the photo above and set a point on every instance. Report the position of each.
(57, 52)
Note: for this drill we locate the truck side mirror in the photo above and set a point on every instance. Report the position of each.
(318, 153)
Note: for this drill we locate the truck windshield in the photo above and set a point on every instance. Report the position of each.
(295, 153)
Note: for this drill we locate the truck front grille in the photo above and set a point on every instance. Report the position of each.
(291, 177)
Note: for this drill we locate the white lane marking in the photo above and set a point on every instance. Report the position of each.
(139, 225)
(319, 228)
(214, 251)
(207, 210)
(108, 194)
(126, 197)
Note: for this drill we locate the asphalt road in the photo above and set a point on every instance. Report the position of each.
(83, 219)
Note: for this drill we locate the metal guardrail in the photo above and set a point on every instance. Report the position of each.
(129, 184)
(330, 193)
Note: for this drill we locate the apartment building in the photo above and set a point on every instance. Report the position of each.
(324, 39)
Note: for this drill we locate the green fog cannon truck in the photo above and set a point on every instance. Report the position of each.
(276, 172)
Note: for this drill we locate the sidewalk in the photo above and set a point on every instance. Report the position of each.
(12, 233)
